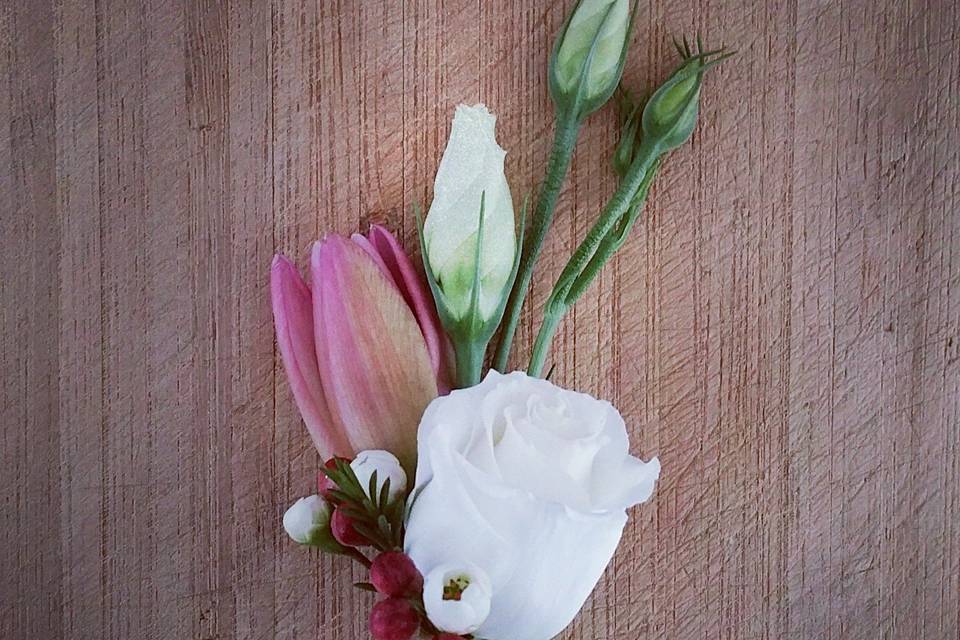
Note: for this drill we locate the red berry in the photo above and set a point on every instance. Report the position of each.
(325, 484)
(393, 574)
(342, 528)
(393, 619)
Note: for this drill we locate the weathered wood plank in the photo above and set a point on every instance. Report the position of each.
(783, 328)
(83, 485)
(29, 315)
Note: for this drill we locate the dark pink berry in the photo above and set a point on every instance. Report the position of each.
(393, 574)
(393, 619)
(342, 528)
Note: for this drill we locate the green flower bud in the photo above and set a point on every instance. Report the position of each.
(588, 60)
(671, 113)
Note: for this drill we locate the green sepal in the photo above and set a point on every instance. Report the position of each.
(447, 317)
(471, 334)
(670, 114)
(624, 153)
(367, 508)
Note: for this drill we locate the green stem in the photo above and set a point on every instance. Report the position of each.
(469, 356)
(594, 251)
(542, 346)
(564, 141)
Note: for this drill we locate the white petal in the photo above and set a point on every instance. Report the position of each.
(386, 465)
(530, 483)
(466, 614)
(299, 519)
(472, 164)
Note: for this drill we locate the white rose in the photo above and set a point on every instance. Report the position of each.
(387, 467)
(531, 483)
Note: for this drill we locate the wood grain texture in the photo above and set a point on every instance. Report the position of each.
(783, 328)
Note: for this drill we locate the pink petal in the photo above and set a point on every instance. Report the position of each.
(373, 361)
(293, 319)
(415, 290)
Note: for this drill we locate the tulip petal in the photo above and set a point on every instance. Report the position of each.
(413, 287)
(372, 358)
(293, 318)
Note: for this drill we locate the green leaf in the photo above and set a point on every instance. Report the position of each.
(473, 315)
(372, 485)
(365, 586)
(340, 495)
(383, 502)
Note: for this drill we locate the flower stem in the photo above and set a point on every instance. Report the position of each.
(597, 247)
(551, 320)
(469, 354)
(565, 139)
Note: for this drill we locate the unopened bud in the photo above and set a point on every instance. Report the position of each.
(394, 574)
(589, 60)
(386, 466)
(307, 521)
(341, 526)
(393, 619)
(671, 113)
(470, 174)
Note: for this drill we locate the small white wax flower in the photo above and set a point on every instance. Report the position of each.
(306, 518)
(386, 465)
(457, 597)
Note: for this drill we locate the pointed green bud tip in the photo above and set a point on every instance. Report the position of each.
(626, 147)
(671, 113)
(588, 60)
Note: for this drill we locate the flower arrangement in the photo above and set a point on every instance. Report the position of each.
(483, 504)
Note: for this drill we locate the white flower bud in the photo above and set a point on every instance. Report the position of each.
(457, 598)
(590, 21)
(387, 467)
(307, 519)
(472, 165)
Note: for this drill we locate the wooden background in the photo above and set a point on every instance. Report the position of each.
(783, 328)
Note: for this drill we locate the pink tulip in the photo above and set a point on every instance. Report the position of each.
(362, 346)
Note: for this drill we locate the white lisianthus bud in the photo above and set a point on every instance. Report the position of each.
(387, 467)
(607, 22)
(307, 520)
(457, 598)
(472, 165)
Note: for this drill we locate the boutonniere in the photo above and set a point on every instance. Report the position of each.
(483, 503)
